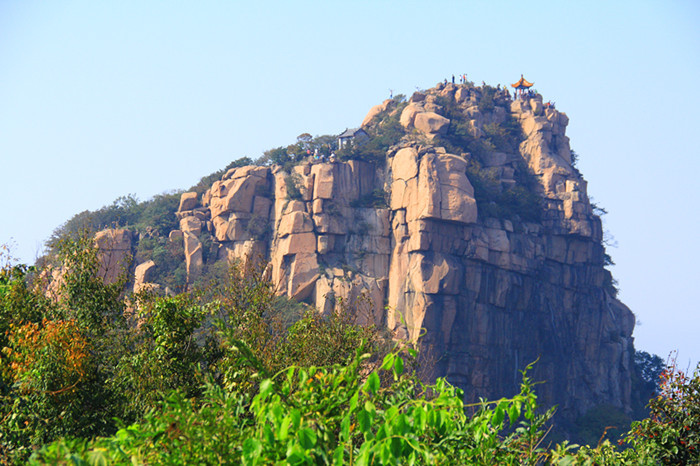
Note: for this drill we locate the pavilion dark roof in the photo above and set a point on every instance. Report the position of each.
(349, 133)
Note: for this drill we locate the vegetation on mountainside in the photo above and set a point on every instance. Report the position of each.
(384, 131)
(519, 202)
(153, 219)
(234, 375)
(70, 366)
(301, 150)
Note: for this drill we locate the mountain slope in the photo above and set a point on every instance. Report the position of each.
(461, 218)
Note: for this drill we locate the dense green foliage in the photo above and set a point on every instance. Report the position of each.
(326, 415)
(293, 184)
(152, 220)
(54, 364)
(303, 149)
(155, 217)
(73, 363)
(377, 199)
(234, 374)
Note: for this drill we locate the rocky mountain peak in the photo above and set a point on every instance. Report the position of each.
(472, 234)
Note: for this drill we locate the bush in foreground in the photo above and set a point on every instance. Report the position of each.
(344, 414)
(230, 375)
(325, 415)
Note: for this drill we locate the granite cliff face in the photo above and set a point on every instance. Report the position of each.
(485, 294)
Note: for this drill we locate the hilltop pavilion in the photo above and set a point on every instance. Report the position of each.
(521, 86)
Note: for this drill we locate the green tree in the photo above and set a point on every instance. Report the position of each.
(58, 356)
(340, 414)
(671, 433)
(169, 350)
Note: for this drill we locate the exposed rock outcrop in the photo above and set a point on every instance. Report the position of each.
(431, 123)
(114, 253)
(485, 294)
(142, 276)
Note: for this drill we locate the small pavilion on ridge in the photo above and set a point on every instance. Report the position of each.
(521, 86)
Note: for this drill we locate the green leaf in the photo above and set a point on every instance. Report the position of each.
(391, 413)
(307, 438)
(338, 456)
(396, 446)
(268, 435)
(97, 458)
(364, 421)
(252, 449)
(284, 429)
(372, 383)
(370, 408)
(265, 388)
(398, 365)
(513, 414)
(419, 418)
(295, 416)
(388, 361)
(382, 432)
(345, 428)
(498, 417)
(363, 456)
(353, 402)
(401, 424)
(297, 457)
(386, 454)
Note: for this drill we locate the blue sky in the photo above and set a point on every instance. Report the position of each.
(103, 99)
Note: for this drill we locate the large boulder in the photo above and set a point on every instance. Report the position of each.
(431, 124)
(191, 225)
(188, 201)
(440, 190)
(376, 110)
(113, 252)
(417, 97)
(324, 180)
(143, 275)
(303, 273)
(236, 192)
(298, 243)
(404, 166)
(408, 115)
(295, 222)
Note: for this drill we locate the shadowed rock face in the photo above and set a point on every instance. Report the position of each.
(485, 296)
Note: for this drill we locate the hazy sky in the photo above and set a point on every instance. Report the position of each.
(103, 99)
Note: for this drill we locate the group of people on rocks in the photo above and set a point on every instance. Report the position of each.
(528, 94)
(501, 91)
(320, 158)
(462, 79)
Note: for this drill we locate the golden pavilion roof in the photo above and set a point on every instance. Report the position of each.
(522, 83)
